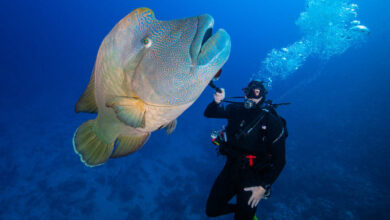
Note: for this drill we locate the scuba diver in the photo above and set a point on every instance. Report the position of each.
(254, 144)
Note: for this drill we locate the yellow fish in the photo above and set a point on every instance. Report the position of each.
(147, 72)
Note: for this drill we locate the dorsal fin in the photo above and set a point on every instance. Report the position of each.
(87, 101)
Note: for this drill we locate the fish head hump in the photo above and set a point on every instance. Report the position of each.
(169, 62)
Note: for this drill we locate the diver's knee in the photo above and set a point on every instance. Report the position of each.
(211, 211)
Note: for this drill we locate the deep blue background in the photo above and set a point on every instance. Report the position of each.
(337, 154)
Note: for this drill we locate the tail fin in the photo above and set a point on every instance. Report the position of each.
(89, 147)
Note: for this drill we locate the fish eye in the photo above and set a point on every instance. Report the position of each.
(147, 42)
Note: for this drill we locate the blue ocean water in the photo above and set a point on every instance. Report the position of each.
(337, 152)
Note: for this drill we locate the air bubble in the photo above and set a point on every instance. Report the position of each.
(330, 28)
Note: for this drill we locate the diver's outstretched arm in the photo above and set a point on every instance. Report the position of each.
(215, 109)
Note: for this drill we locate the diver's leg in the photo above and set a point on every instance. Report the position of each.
(222, 191)
(244, 211)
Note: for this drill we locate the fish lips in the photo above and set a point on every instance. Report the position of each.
(205, 46)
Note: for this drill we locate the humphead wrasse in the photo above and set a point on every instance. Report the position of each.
(147, 72)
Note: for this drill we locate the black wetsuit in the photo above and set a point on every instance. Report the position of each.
(266, 141)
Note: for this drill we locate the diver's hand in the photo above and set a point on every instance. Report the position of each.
(218, 97)
(257, 195)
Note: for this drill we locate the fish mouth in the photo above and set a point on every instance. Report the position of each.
(206, 46)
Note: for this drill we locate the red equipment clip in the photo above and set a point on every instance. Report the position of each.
(250, 158)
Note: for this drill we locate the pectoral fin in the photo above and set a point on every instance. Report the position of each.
(170, 127)
(87, 101)
(129, 144)
(130, 111)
